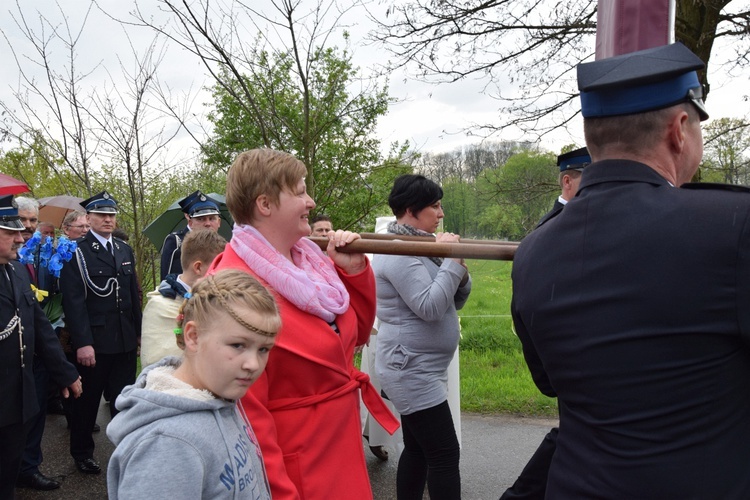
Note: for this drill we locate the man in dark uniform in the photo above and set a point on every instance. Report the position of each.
(29, 475)
(103, 314)
(632, 305)
(201, 212)
(532, 481)
(24, 332)
(571, 165)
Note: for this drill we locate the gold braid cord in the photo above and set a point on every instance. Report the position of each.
(234, 314)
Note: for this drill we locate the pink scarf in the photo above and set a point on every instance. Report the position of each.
(310, 283)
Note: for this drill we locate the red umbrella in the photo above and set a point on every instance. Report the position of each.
(53, 209)
(11, 185)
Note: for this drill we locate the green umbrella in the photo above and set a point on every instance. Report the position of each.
(174, 219)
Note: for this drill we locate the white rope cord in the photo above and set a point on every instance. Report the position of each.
(14, 322)
(110, 286)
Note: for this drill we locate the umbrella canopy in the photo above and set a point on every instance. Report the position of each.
(11, 185)
(53, 209)
(174, 220)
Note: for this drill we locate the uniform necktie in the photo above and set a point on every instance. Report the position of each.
(111, 253)
(32, 273)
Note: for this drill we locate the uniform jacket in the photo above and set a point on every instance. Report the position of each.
(171, 251)
(17, 393)
(556, 209)
(633, 307)
(305, 406)
(111, 324)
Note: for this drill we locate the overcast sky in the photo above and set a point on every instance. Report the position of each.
(430, 117)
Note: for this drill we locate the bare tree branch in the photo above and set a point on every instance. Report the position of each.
(526, 50)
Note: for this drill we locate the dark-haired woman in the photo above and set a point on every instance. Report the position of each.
(417, 302)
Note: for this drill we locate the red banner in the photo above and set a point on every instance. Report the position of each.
(624, 26)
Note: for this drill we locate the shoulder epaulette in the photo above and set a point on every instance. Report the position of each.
(716, 186)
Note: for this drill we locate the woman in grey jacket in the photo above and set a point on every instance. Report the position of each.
(417, 302)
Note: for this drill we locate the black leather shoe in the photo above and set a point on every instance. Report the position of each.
(55, 407)
(96, 427)
(37, 481)
(88, 466)
(380, 452)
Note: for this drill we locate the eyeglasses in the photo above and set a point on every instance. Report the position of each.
(81, 226)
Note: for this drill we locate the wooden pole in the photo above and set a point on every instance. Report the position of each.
(391, 237)
(427, 249)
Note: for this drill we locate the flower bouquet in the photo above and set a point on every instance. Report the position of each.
(45, 256)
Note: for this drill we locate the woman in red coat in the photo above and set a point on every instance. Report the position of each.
(305, 407)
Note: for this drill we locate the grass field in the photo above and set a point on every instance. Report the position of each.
(494, 376)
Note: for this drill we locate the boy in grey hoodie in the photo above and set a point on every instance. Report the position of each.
(180, 432)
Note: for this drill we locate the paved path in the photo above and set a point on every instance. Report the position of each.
(495, 449)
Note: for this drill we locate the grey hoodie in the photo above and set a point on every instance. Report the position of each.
(174, 441)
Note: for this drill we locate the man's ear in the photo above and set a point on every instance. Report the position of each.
(677, 131)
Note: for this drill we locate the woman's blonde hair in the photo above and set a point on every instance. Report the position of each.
(257, 172)
(230, 290)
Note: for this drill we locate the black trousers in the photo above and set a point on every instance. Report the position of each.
(12, 441)
(113, 372)
(431, 454)
(532, 483)
(32, 453)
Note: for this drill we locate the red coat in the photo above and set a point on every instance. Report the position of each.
(305, 407)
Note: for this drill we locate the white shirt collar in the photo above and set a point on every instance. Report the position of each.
(187, 287)
(101, 238)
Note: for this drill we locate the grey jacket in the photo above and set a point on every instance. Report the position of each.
(419, 330)
(172, 446)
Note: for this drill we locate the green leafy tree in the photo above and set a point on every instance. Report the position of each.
(527, 50)
(726, 156)
(293, 91)
(457, 171)
(38, 166)
(524, 189)
(82, 136)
